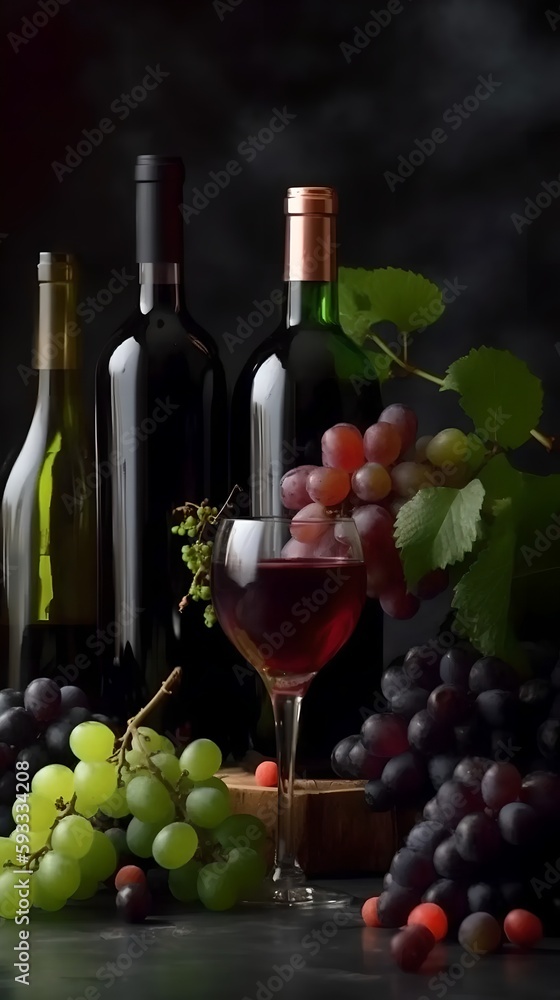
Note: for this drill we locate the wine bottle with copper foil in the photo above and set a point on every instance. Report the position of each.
(302, 380)
(48, 507)
(161, 432)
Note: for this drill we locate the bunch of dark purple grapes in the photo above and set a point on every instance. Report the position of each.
(35, 727)
(436, 710)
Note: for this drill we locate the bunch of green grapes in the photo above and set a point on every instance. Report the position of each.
(197, 554)
(178, 812)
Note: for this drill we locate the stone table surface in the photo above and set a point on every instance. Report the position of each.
(255, 954)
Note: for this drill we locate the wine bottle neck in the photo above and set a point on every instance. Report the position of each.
(313, 303)
(161, 286)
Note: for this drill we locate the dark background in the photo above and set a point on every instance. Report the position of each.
(355, 114)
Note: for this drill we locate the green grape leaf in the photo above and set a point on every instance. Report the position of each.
(537, 564)
(386, 294)
(438, 527)
(501, 481)
(482, 596)
(357, 365)
(499, 393)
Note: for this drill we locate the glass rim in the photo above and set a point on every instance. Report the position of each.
(279, 519)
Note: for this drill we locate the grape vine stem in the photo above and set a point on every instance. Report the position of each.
(550, 443)
(125, 741)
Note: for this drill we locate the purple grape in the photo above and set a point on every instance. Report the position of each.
(412, 870)
(455, 667)
(72, 697)
(42, 699)
(449, 864)
(8, 788)
(477, 838)
(134, 903)
(57, 742)
(490, 673)
(364, 765)
(9, 698)
(385, 735)
(431, 811)
(541, 790)
(471, 770)
(448, 705)
(394, 681)
(485, 898)
(425, 837)
(427, 735)
(7, 757)
(535, 697)
(501, 784)
(17, 728)
(497, 709)
(340, 761)
(405, 777)
(452, 898)
(519, 824)
(36, 756)
(378, 796)
(395, 904)
(456, 800)
(76, 716)
(548, 739)
(7, 822)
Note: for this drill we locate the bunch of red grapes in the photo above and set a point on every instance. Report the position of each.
(371, 476)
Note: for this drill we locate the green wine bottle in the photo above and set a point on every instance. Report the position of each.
(48, 507)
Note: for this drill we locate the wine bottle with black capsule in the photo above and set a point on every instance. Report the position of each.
(306, 377)
(161, 438)
(48, 506)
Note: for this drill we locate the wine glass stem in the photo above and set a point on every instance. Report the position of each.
(286, 721)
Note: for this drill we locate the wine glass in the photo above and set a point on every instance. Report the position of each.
(288, 594)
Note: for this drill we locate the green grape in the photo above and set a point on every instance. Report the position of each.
(40, 813)
(207, 807)
(167, 746)
(85, 808)
(92, 742)
(127, 775)
(209, 616)
(148, 799)
(101, 859)
(87, 888)
(216, 887)
(201, 759)
(118, 839)
(174, 845)
(183, 881)
(116, 806)
(7, 851)
(95, 781)
(44, 901)
(149, 741)
(53, 782)
(213, 783)
(449, 446)
(140, 837)
(57, 875)
(135, 758)
(169, 766)
(247, 867)
(72, 837)
(185, 785)
(241, 830)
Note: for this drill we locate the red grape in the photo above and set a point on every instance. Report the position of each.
(266, 774)
(411, 947)
(382, 443)
(293, 491)
(129, 875)
(420, 448)
(369, 912)
(328, 486)
(432, 584)
(343, 448)
(405, 420)
(432, 916)
(298, 550)
(385, 735)
(315, 523)
(371, 482)
(523, 928)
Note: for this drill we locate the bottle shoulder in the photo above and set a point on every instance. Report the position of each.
(159, 332)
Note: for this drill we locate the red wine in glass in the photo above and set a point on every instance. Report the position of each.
(290, 616)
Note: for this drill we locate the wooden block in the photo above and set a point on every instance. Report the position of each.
(335, 831)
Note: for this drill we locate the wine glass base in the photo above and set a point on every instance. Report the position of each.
(301, 896)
